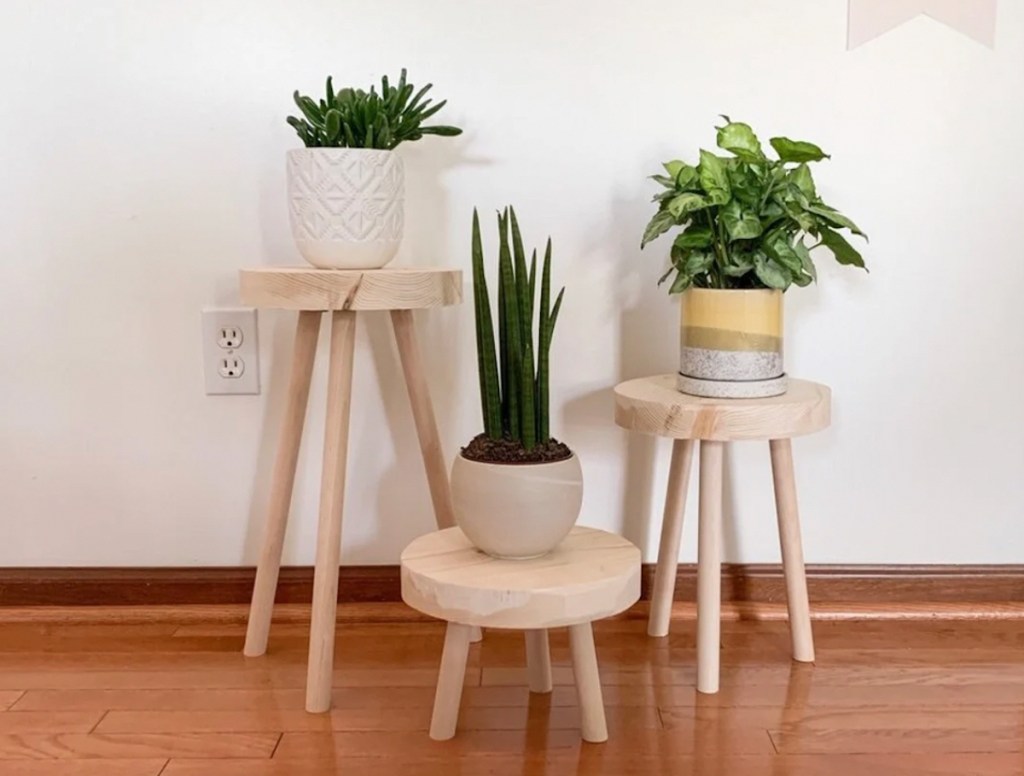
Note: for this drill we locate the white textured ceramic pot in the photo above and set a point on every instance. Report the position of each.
(517, 510)
(346, 206)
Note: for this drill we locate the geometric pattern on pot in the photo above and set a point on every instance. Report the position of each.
(345, 194)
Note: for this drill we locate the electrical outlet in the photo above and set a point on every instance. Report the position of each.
(231, 351)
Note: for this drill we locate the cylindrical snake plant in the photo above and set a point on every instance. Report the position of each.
(514, 378)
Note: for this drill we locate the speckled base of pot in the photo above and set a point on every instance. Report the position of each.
(727, 389)
(707, 364)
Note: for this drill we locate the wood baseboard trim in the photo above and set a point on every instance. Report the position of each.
(882, 588)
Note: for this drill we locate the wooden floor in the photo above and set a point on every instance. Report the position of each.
(149, 692)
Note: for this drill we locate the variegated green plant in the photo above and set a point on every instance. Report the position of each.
(514, 380)
(744, 218)
(354, 118)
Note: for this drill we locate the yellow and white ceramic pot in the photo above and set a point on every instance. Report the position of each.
(731, 343)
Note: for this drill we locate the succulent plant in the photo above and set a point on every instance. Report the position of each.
(354, 118)
(514, 380)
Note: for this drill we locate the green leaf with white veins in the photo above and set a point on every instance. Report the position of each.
(739, 223)
(740, 139)
(770, 273)
(714, 178)
(834, 217)
(695, 237)
(797, 150)
(685, 203)
(843, 251)
(661, 223)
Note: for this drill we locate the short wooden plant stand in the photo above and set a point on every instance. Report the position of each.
(652, 405)
(592, 574)
(341, 295)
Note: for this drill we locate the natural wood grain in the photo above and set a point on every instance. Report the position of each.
(304, 288)
(588, 683)
(592, 574)
(538, 660)
(434, 461)
(332, 501)
(784, 480)
(709, 565)
(48, 721)
(593, 761)
(9, 697)
(136, 746)
(151, 767)
(195, 592)
(282, 480)
(450, 679)
(671, 531)
(652, 405)
(942, 698)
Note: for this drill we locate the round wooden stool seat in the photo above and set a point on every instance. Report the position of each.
(307, 288)
(591, 575)
(653, 405)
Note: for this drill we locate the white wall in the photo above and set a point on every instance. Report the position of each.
(141, 163)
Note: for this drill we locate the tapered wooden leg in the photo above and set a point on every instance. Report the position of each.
(709, 566)
(332, 499)
(671, 530)
(423, 415)
(792, 550)
(450, 679)
(281, 483)
(538, 660)
(588, 683)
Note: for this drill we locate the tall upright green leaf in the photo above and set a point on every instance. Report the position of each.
(544, 349)
(527, 400)
(510, 299)
(487, 365)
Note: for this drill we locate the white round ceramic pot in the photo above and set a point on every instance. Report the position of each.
(517, 510)
(346, 206)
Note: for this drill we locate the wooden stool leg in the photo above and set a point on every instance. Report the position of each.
(709, 566)
(281, 483)
(588, 683)
(332, 499)
(423, 415)
(538, 660)
(792, 550)
(671, 530)
(450, 679)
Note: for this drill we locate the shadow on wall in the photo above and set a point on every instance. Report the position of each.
(647, 345)
(402, 489)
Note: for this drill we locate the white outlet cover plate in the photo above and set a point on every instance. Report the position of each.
(243, 319)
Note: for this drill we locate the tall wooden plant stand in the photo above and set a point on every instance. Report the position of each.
(342, 295)
(652, 405)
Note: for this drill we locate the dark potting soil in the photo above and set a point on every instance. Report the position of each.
(486, 450)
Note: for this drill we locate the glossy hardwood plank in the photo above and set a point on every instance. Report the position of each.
(381, 719)
(592, 762)
(73, 746)
(9, 697)
(882, 730)
(152, 767)
(48, 721)
(205, 679)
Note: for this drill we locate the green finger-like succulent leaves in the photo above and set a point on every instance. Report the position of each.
(355, 118)
(514, 372)
(744, 218)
